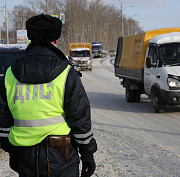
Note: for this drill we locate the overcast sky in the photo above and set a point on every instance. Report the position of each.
(151, 14)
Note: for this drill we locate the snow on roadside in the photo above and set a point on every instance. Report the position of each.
(5, 170)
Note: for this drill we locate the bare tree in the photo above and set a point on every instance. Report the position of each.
(86, 21)
(20, 14)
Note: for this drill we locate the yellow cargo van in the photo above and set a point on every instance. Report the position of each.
(144, 65)
(80, 54)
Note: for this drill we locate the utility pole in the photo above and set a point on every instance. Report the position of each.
(122, 11)
(50, 6)
(46, 6)
(122, 28)
(7, 35)
(0, 21)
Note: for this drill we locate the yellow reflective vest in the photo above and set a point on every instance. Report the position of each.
(37, 109)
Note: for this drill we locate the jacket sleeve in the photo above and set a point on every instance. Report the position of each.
(6, 119)
(78, 115)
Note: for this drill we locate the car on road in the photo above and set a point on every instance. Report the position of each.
(112, 53)
(8, 53)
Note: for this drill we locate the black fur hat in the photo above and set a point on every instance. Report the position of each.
(43, 28)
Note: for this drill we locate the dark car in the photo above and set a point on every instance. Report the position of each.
(8, 53)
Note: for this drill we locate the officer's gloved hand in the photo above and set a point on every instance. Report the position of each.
(88, 165)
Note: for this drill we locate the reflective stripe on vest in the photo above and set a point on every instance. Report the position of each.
(39, 122)
(5, 131)
(37, 109)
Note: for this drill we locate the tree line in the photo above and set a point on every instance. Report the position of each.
(85, 21)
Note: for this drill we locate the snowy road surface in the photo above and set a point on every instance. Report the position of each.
(132, 139)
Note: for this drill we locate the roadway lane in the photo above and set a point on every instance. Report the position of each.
(132, 139)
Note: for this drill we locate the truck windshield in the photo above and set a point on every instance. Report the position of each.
(170, 53)
(6, 59)
(96, 47)
(83, 53)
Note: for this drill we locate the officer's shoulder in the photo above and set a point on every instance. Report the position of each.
(76, 70)
(73, 72)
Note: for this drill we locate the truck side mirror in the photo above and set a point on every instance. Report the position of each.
(148, 62)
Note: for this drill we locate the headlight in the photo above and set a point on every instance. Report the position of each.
(89, 61)
(173, 82)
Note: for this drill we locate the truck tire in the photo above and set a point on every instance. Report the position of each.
(130, 94)
(137, 96)
(159, 106)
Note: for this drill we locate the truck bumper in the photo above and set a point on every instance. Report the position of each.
(170, 97)
(97, 55)
(85, 65)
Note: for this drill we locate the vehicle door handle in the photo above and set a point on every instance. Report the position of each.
(148, 74)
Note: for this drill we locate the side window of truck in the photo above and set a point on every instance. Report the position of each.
(153, 54)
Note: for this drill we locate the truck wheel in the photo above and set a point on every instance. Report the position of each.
(130, 94)
(137, 96)
(159, 106)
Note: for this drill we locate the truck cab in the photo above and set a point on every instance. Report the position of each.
(162, 70)
(97, 49)
(81, 57)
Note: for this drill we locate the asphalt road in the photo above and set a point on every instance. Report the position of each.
(132, 139)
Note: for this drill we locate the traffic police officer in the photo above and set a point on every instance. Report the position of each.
(43, 99)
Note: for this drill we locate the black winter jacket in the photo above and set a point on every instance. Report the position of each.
(41, 64)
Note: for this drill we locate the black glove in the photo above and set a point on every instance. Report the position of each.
(88, 165)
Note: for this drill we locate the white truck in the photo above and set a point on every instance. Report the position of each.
(80, 54)
(150, 63)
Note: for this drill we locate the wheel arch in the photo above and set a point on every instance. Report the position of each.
(153, 88)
